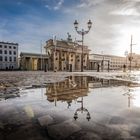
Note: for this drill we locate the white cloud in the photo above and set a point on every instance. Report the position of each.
(82, 5)
(59, 4)
(47, 6)
(126, 12)
(109, 33)
(30, 32)
(53, 5)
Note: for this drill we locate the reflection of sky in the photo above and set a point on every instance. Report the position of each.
(136, 100)
(105, 100)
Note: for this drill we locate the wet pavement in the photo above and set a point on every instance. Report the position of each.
(78, 108)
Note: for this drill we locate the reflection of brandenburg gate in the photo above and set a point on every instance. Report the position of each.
(75, 87)
(68, 90)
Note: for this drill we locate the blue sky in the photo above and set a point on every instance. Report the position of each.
(30, 22)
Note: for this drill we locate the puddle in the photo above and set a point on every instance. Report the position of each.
(78, 108)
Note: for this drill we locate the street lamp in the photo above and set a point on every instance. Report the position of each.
(82, 32)
(55, 44)
(131, 57)
(126, 54)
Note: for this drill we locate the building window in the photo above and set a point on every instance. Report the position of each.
(14, 59)
(10, 47)
(56, 58)
(5, 58)
(14, 52)
(10, 52)
(71, 60)
(63, 59)
(5, 52)
(72, 55)
(10, 59)
(63, 54)
(0, 46)
(0, 51)
(14, 47)
(1, 58)
(5, 46)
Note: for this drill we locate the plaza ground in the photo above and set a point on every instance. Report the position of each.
(27, 78)
(26, 112)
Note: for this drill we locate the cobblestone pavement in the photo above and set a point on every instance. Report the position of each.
(28, 78)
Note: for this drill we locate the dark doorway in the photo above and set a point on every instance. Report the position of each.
(70, 67)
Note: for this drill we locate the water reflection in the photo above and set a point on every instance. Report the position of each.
(130, 96)
(82, 109)
(70, 89)
(136, 102)
(76, 86)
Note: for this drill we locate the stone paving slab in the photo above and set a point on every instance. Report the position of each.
(63, 130)
(28, 132)
(45, 120)
(84, 135)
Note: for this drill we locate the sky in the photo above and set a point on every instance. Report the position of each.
(32, 22)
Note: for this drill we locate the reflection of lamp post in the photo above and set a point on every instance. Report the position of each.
(82, 32)
(81, 109)
(130, 96)
(55, 93)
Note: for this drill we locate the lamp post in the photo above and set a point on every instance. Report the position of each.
(41, 58)
(131, 57)
(82, 32)
(126, 55)
(55, 44)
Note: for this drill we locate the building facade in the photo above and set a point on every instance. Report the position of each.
(32, 61)
(65, 55)
(107, 62)
(135, 64)
(8, 56)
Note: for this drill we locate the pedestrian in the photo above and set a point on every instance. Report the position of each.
(124, 68)
(98, 68)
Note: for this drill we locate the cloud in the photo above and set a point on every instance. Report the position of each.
(126, 12)
(127, 8)
(47, 6)
(90, 3)
(113, 23)
(53, 5)
(29, 32)
(59, 4)
(110, 18)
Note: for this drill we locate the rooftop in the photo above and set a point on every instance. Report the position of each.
(32, 54)
(9, 43)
